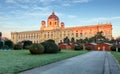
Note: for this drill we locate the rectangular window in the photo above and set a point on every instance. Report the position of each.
(45, 35)
(51, 35)
(72, 34)
(76, 34)
(80, 34)
(13, 37)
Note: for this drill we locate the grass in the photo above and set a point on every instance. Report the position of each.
(15, 61)
(116, 55)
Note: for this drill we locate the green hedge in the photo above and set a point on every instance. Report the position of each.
(88, 48)
(79, 47)
(50, 47)
(1, 44)
(18, 47)
(9, 43)
(113, 48)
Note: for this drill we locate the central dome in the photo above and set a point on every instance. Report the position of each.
(53, 16)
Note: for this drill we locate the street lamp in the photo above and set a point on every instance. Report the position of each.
(116, 46)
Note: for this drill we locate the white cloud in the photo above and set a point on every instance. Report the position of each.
(99, 19)
(2, 18)
(72, 16)
(41, 8)
(36, 14)
(28, 1)
(16, 1)
(10, 1)
(66, 4)
(80, 1)
(46, 2)
(23, 6)
(118, 17)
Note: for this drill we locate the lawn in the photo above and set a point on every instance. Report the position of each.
(116, 55)
(14, 61)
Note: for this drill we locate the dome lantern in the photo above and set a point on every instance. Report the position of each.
(53, 16)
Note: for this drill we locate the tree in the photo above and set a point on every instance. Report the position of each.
(72, 40)
(81, 40)
(77, 41)
(66, 40)
(113, 41)
(86, 40)
(98, 38)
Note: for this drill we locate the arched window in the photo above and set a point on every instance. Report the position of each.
(81, 31)
(44, 35)
(55, 23)
(50, 23)
(81, 34)
(76, 34)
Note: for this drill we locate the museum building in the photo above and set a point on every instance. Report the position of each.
(56, 30)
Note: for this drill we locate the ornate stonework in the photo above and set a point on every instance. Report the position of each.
(57, 31)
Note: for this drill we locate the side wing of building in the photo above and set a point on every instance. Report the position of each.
(59, 34)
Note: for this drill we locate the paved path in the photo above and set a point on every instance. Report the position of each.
(95, 62)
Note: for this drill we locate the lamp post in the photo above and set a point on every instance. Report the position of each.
(116, 46)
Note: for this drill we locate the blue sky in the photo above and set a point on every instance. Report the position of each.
(26, 15)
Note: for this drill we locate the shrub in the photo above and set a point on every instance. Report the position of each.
(50, 47)
(26, 44)
(113, 48)
(36, 48)
(5, 47)
(79, 47)
(50, 40)
(26, 47)
(18, 46)
(9, 43)
(119, 49)
(59, 48)
(1, 44)
(88, 48)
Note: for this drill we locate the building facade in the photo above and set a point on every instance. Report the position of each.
(56, 30)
